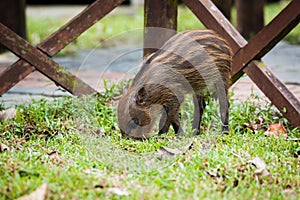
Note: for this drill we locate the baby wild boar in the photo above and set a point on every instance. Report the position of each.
(192, 61)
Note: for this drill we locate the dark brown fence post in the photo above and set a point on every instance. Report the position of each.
(160, 14)
(250, 17)
(12, 14)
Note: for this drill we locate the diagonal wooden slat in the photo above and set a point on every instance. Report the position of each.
(58, 40)
(213, 19)
(268, 37)
(43, 63)
(69, 32)
(270, 85)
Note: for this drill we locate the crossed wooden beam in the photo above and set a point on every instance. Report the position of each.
(245, 53)
(38, 58)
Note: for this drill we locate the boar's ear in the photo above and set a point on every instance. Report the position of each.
(142, 96)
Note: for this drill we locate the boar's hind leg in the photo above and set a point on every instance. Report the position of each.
(222, 94)
(199, 106)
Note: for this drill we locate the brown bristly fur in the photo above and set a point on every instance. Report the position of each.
(189, 62)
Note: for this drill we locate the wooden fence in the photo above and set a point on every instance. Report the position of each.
(163, 14)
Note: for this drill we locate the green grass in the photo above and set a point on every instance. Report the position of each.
(93, 158)
(111, 29)
(117, 29)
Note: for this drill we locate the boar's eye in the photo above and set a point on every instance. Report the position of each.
(133, 123)
(136, 121)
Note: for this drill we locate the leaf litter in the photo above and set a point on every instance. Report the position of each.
(164, 152)
(277, 130)
(261, 168)
(4, 147)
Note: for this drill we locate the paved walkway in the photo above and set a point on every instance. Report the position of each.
(94, 66)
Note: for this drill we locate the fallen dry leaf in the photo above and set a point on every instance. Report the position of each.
(54, 154)
(164, 152)
(39, 194)
(169, 151)
(255, 126)
(4, 147)
(258, 163)
(7, 114)
(259, 173)
(261, 166)
(277, 130)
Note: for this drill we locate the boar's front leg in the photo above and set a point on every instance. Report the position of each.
(164, 123)
(170, 117)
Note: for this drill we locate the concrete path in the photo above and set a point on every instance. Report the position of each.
(118, 64)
